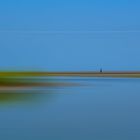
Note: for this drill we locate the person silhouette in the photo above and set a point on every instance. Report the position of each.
(101, 70)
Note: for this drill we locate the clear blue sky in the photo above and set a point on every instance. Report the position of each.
(70, 35)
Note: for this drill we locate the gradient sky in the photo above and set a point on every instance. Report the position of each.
(70, 35)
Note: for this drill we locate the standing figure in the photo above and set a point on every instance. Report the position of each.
(101, 70)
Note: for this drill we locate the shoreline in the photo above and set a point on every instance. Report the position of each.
(113, 74)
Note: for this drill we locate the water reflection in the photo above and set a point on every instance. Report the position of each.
(105, 110)
(28, 90)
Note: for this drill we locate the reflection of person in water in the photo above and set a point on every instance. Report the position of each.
(101, 70)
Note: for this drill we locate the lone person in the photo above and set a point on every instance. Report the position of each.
(101, 70)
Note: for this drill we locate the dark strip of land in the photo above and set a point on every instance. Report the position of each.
(120, 74)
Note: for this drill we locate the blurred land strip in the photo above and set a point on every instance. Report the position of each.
(121, 74)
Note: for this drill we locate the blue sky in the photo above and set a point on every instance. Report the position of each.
(70, 35)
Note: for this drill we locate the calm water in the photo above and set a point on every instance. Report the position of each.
(94, 109)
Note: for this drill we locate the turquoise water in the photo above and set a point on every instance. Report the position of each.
(93, 109)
